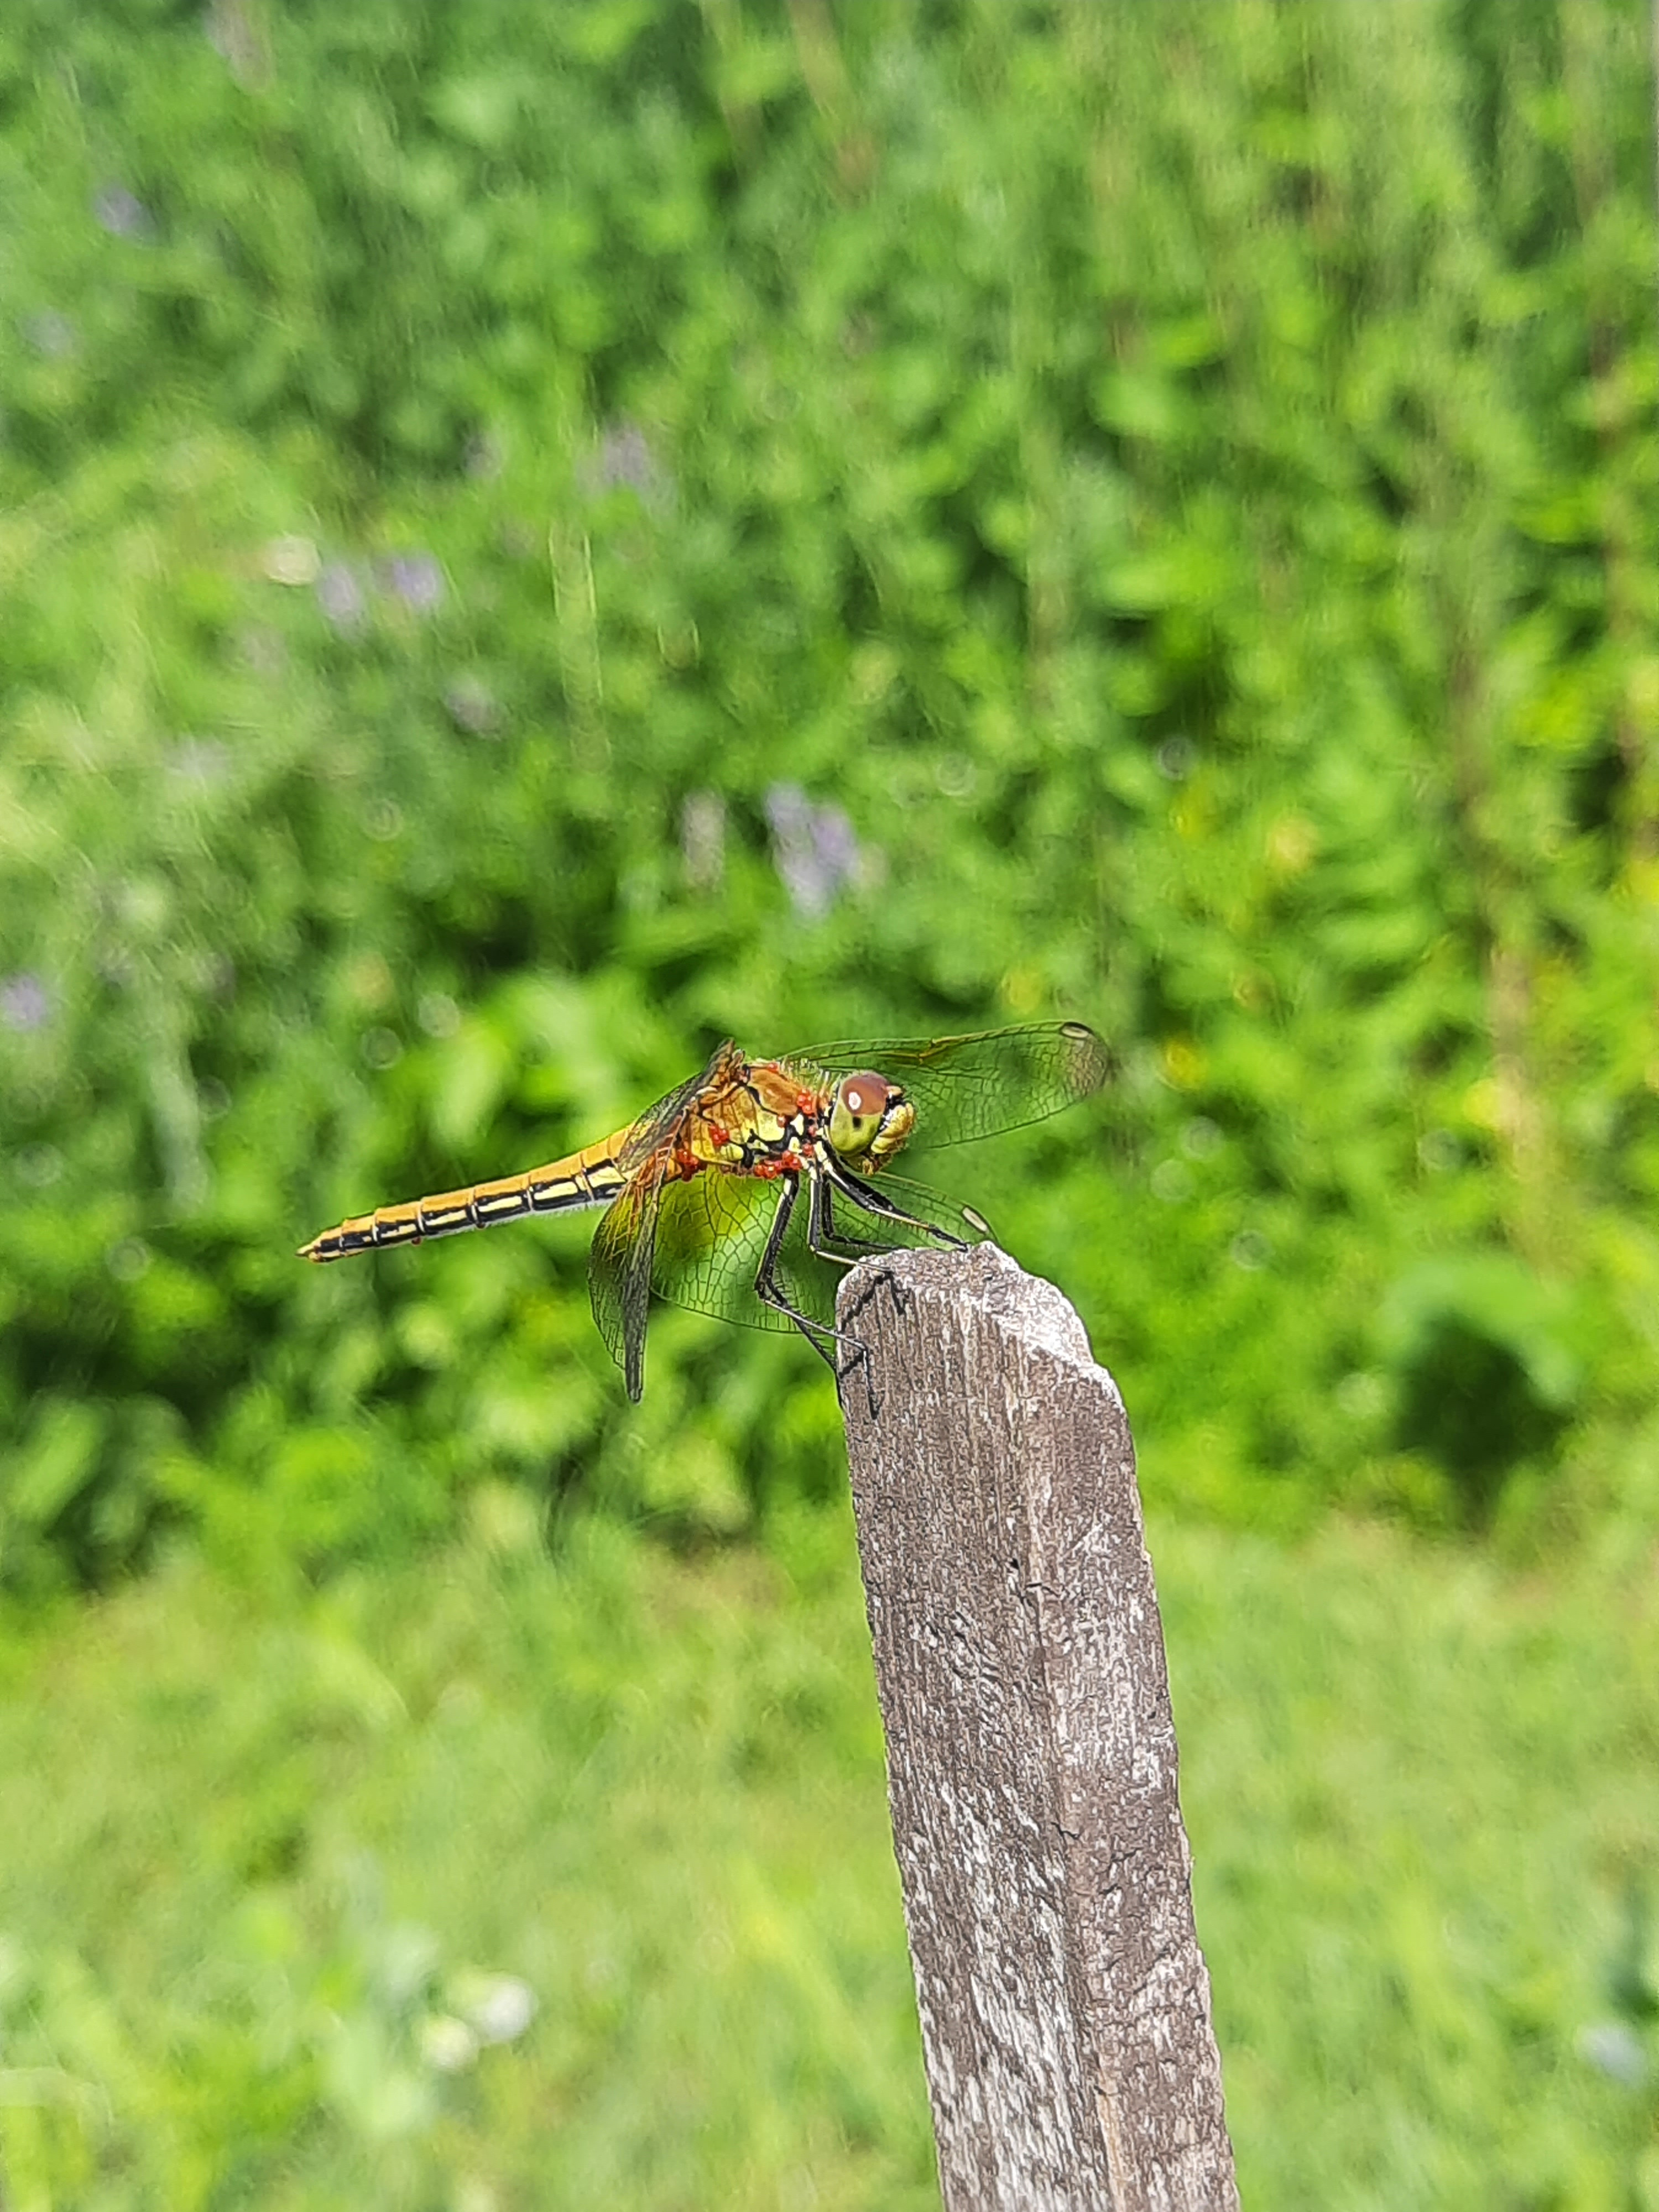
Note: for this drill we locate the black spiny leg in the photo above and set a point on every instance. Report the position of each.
(866, 1196)
(822, 1234)
(818, 1334)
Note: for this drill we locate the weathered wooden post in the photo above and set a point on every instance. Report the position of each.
(1031, 1752)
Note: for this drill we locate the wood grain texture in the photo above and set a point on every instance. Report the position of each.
(1030, 1751)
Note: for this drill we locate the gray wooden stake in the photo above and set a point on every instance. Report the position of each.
(1030, 1753)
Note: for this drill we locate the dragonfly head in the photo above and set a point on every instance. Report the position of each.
(870, 1120)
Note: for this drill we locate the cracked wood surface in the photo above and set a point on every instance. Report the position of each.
(1032, 1757)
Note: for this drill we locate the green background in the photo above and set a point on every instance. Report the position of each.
(532, 540)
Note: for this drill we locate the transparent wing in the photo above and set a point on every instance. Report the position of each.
(619, 1268)
(657, 1123)
(709, 1235)
(695, 1244)
(968, 1087)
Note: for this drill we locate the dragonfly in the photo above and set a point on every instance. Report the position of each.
(740, 1192)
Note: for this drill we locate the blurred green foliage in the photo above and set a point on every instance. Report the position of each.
(272, 1851)
(534, 538)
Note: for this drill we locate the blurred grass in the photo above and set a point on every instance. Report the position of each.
(256, 1841)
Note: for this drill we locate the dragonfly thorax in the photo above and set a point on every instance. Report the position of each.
(870, 1118)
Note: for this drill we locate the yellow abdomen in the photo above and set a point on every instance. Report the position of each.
(589, 1177)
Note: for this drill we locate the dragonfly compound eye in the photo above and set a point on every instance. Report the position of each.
(855, 1119)
(870, 1118)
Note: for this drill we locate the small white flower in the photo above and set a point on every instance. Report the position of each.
(500, 2006)
(1614, 2049)
(449, 2046)
(293, 561)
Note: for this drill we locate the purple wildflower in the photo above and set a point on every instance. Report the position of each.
(341, 596)
(624, 460)
(417, 579)
(121, 213)
(814, 850)
(25, 1003)
(240, 43)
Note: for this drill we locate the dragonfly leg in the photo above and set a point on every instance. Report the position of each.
(871, 1200)
(768, 1289)
(823, 1236)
